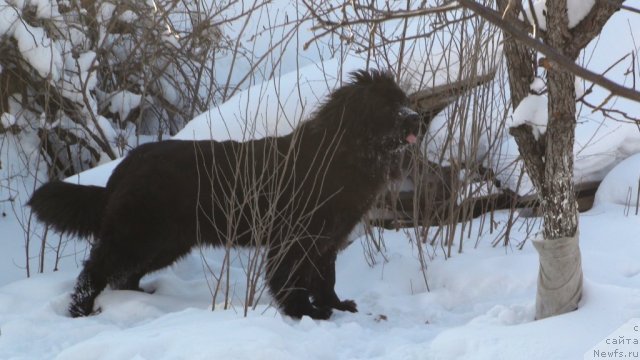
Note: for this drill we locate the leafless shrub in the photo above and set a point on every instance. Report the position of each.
(256, 207)
(450, 61)
(82, 82)
(82, 117)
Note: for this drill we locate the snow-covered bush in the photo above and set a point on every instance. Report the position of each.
(91, 79)
(82, 82)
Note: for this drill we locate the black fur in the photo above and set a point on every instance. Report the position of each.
(69, 208)
(298, 195)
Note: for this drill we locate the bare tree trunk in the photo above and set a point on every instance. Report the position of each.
(561, 210)
(549, 160)
(560, 273)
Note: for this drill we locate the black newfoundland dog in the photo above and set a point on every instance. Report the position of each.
(299, 196)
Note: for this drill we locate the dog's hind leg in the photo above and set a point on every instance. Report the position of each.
(111, 264)
(91, 281)
(127, 281)
(148, 259)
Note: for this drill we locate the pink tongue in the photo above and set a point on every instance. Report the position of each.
(411, 139)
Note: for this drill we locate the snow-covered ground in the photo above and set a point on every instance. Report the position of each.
(480, 303)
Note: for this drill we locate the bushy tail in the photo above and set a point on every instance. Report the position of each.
(69, 208)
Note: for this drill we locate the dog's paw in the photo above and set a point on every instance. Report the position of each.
(80, 310)
(347, 305)
(321, 313)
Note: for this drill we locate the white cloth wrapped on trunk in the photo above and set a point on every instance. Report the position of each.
(559, 277)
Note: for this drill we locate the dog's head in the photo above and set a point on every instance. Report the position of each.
(373, 109)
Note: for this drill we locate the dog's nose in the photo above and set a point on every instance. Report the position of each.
(408, 114)
(413, 117)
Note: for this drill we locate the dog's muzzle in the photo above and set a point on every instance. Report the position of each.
(411, 122)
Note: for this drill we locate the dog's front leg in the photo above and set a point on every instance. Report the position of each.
(288, 273)
(323, 284)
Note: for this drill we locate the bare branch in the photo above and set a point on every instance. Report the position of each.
(564, 62)
(591, 25)
(382, 16)
(378, 16)
(621, 6)
(520, 59)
